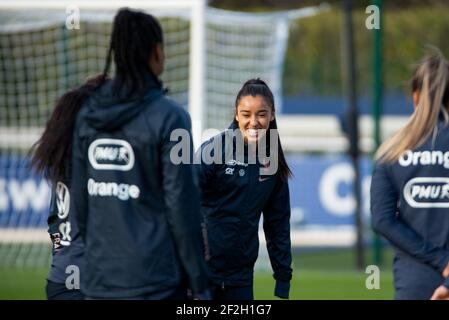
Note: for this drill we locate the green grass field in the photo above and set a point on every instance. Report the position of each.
(329, 274)
(324, 274)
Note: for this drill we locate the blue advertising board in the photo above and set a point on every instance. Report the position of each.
(321, 192)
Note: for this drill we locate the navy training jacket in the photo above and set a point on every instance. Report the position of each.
(138, 213)
(410, 208)
(234, 195)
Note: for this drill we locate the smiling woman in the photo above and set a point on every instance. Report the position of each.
(236, 191)
(253, 114)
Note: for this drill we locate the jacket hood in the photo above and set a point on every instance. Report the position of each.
(108, 110)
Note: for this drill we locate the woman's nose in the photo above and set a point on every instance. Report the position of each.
(253, 121)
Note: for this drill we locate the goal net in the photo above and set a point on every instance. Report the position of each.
(210, 53)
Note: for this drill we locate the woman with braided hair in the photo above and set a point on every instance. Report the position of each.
(138, 213)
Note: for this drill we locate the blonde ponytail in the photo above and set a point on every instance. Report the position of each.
(431, 81)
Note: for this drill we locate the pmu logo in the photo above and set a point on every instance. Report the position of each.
(427, 192)
(111, 154)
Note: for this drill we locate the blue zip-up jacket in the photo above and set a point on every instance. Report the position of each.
(410, 208)
(233, 197)
(138, 212)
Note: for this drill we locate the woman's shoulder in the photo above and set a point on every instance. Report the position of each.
(383, 168)
(217, 137)
(443, 135)
(169, 105)
(167, 111)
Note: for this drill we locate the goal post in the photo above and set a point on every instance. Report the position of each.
(210, 53)
(220, 50)
(195, 14)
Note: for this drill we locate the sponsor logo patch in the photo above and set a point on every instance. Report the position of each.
(234, 162)
(56, 240)
(65, 229)
(424, 158)
(427, 192)
(111, 154)
(122, 191)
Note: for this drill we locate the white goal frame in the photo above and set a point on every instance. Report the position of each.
(196, 9)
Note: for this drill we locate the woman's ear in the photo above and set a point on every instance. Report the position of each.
(159, 53)
(157, 59)
(236, 118)
(415, 99)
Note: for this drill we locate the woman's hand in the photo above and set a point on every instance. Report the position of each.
(446, 271)
(441, 293)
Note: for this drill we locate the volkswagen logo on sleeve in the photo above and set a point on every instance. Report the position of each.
(62, 200)
(111, 154)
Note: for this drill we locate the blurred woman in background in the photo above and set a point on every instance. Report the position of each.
(409, 188)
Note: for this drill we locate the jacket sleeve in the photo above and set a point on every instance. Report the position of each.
(276, 225)
(446, 282)
(384, 206)
(205, 172)
(182, 200)
(52, 221)
(78, 186)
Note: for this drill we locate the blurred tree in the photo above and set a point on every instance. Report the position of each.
(290, 4)
(313, 58)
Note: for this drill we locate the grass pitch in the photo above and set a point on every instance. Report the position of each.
(319, 274)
